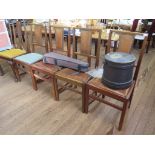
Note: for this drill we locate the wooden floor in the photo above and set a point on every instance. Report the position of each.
(25, 111)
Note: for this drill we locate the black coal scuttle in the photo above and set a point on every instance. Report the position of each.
(118, 70)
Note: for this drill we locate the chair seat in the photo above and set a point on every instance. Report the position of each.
(29, 58)
(12, 53)
(73, 76)
(123, 93)
(45, 68)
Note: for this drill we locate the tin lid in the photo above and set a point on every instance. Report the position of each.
(120, 57)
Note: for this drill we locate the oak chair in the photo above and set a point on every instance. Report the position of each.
(72, 78)
(17, 50)
(46, 72)
(32, 39)
(96, 90)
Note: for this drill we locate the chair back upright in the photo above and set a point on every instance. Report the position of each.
(15, 34)
(125, 44)
(38, 33)
(21, 37)
(10, 32)
(134, 25)
(56, 39)
(18, 36)
(83, 44)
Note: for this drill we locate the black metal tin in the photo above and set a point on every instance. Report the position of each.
(118, 70)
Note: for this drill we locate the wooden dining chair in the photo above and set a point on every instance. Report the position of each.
(72, 78)
(24, 62)
(96, 90)
(46, 72)
(16, 50)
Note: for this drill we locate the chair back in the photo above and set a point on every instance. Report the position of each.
(15, 33)
(125, 44)
(83, 44)
(56, 39)
(38, 37)
(125, 40)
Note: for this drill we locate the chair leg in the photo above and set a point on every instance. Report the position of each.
(55, 92)
(1, 71)
(148, 45)
(86, 101)
(103, 96)
(34, 81)
(13, 70)
(153, 42)
(122, 115)
(83, 97)
(17, 72)
(130, 99)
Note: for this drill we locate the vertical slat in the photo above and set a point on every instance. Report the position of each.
(19, 35)
(74, 44)
(69, 43)
(27, 40)
(109, 42)
(46, 38)
(98, 49)
(50, 37)
(10, 32)
(31, 36)
(59, 36)
(14, 35)
(85, 43)
(38, 34)
(125, 43)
